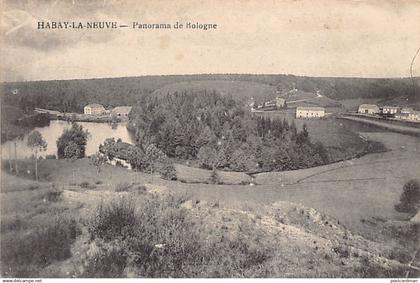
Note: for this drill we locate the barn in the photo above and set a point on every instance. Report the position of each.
(310, 112)
(94, 109)
(370, 109)
(121, 111)
(390, 110)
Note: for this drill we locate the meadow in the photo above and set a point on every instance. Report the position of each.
(140, 229)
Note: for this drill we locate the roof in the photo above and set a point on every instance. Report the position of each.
(94, 105)
(368, 106)
(310, 108)
(393, 107)
(122, 109)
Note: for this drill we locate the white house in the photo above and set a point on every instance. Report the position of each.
(414, 116)
(310, 112)
(280, 102)
(390, 110)
(370, 109)
(406, 110)
(94, 109)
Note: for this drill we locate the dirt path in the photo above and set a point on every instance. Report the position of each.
(397, 128)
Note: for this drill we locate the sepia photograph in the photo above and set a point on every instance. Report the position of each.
(210, 139)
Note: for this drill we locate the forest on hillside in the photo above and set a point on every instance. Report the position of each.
(219, 132)
(73, 95)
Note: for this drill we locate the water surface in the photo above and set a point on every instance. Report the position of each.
(98, 133)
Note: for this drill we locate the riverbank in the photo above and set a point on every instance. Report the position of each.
(385, 124)
(98, 133)
(17, 123)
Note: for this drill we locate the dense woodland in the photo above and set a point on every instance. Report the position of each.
(72, 95)
(220, 133)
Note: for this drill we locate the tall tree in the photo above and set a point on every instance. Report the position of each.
(37, 143)
(72, 143)
(98, 160)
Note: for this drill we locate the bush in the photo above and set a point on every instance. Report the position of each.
(109, 260)
(161, 239)
(53, 195)
(72, 143)
(50, 156)
(113, 221)
(214, 177)
(23, 254)
(168, 172)
(410, 197)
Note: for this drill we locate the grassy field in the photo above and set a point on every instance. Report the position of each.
(350, 191)
(340, 141)
(302, 98)
(86, 231)
(358, 195)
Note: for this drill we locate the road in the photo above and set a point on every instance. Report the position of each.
(386, 125)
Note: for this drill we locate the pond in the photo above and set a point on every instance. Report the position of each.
(98, 133)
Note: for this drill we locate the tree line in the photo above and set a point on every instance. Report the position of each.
(73, 95)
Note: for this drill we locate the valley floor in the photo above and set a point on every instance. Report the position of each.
(357, 195)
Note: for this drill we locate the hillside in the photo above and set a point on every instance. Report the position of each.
(204, 239)
(72, 95)
(304, 98)
(243, 90)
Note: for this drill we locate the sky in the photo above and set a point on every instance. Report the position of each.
(334, 38)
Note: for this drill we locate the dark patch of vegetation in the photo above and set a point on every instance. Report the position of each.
(72, 143)
(370, 269)
(113, 221)
(221, 133)
(375, 147)
(214, 177)
(24, 254)
(342, 250)
(410, 198)
(54, 194)
(87, 185)
(149, 159)
(17, 121)
(161, 239)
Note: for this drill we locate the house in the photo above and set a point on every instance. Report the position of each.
(414, 116)
(121, 111)
(280, 102)
(370, 109)
(403, 116)
(273, 104)
(310, 112)
(406, 110)
(93, 109)
(392, 110)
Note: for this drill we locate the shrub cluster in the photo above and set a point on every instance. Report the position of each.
(410, 198)
(24, 254)
(149, 159)
(159, 238)
(72, 143)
